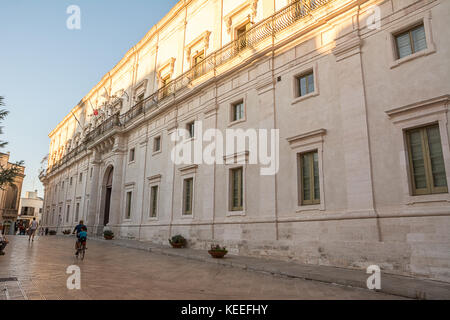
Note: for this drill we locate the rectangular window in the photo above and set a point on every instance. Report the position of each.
(309, 178)
(77, 211)
(187, 195)
(140, 100)
(62, 185)
(71, 180)
(197, 65)
(153, 201)
(411, 41)
(90, 174)
(67, 214)
(305, 84)
(241, 35)
(128, 205)
(427, 169)
(191, 128)
(81, 176)
(237, 111)
(131, 157)
(164, 82)
(87, 211)
(157, 144)
(236, 189)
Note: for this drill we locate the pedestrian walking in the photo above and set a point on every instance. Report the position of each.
(3, 240)
(32, 231)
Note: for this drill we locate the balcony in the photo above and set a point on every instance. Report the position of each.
(250, 39)
(9, 213)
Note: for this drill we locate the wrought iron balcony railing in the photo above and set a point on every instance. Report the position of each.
(253, 37)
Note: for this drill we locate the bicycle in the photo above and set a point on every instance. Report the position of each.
(81, 250)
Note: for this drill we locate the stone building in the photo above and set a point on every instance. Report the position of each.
(356, 94)
(30, 207)
(10, 196)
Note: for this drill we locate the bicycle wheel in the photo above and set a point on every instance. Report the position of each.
(83, 249)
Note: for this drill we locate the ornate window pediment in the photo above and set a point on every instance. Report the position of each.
(166, 68)
(201, 41)
(140, 89)
(249, 6)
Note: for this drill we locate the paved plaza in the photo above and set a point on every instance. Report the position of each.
(37, 270)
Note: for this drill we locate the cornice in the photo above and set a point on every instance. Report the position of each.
(442, 101)
(307, 138)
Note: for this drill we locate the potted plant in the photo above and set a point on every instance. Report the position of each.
(52, 232)
(217, 251)
(178, 241)
(108, 234)
(67, 231)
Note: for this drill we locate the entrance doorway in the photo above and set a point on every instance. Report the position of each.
(108, 191)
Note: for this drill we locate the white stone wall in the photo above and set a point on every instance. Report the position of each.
(367, 214)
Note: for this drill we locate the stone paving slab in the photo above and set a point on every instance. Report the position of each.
(38, 271)
(410, 287)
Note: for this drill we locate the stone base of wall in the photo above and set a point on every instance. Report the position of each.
(417, 246)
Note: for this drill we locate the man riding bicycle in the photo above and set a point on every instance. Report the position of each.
(81, 230)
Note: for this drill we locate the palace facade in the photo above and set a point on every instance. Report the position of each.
(358, 91)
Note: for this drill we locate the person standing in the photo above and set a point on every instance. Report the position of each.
(3, 240)
(33, 227)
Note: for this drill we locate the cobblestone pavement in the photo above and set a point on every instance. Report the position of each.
(37, 270)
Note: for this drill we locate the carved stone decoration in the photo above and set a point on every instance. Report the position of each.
(229, 23)
(204, 37)
(140, 88)
(249, 5)
(254, 8)
(170, 64)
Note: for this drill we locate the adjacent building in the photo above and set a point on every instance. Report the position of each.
(30, 207)
(10, 196)
(344, 107)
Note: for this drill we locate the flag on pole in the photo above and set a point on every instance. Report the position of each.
(76, 118)
(94, 111)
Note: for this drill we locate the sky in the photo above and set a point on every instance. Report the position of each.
(47, 68)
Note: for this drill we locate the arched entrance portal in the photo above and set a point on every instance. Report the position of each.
(108, 180)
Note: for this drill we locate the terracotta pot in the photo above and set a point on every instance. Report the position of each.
(177, 245)
(109, 237)
(217, 253)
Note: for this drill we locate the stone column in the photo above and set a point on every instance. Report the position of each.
(139, 196)
(267, 184)
(119, 154)
(355, 142)
(94, 196)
